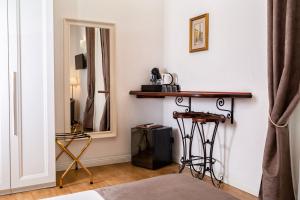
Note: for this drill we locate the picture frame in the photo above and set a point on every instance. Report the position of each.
(199, 31)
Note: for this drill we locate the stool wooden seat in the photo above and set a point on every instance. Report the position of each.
(208, 117)
(187, 115)
(199, 116)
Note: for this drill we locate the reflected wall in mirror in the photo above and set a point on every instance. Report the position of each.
(89, 74)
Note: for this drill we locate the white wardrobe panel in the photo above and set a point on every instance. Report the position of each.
(32, 152)
(4, 102)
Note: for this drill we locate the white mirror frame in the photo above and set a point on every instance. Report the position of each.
(113, 116)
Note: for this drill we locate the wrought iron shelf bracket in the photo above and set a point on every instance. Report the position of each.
(230, 113)
(179, 102)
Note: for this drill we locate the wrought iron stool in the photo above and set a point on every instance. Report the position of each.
(69, 138)
(208, 160)
(187, 158)
(199, 165)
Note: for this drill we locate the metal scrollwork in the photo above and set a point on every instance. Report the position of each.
(179, 101)
(219, 104)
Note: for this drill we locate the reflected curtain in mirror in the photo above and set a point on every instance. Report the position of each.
(89, 108)
(105, 119)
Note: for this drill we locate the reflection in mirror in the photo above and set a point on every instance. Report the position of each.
(89, 61)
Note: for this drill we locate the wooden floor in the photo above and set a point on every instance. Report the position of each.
(106, 176)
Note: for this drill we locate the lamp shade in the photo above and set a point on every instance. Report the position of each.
(73, 81)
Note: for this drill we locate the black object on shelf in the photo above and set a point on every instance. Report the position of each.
(155, 88)
(151, 148)
(151, 88)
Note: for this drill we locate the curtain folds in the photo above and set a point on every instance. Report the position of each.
(283, 82)
(105, 46)
(89, 108)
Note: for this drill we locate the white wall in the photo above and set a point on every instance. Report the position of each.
(235, 61)
(295, 149)
(139, 44)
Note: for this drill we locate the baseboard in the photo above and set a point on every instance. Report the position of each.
(93, 162)
(4, 192)
(35, 187)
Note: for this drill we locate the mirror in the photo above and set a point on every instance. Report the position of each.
(89, 91)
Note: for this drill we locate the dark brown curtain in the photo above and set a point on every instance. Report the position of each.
(284, 76)
(89, 107)
(105, 119)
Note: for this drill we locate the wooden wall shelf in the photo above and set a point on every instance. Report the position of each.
(220, 96)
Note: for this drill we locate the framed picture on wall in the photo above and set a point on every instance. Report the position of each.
(199, 27)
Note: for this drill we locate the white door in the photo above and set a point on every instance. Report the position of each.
(4, 102)
(31, 59)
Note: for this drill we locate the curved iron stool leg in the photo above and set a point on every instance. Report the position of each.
(191, 157)
(197, 159)
(187, 159)
(208, 160)
(185, 137)
(212, 161)
(183, 158)
(202, 137)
